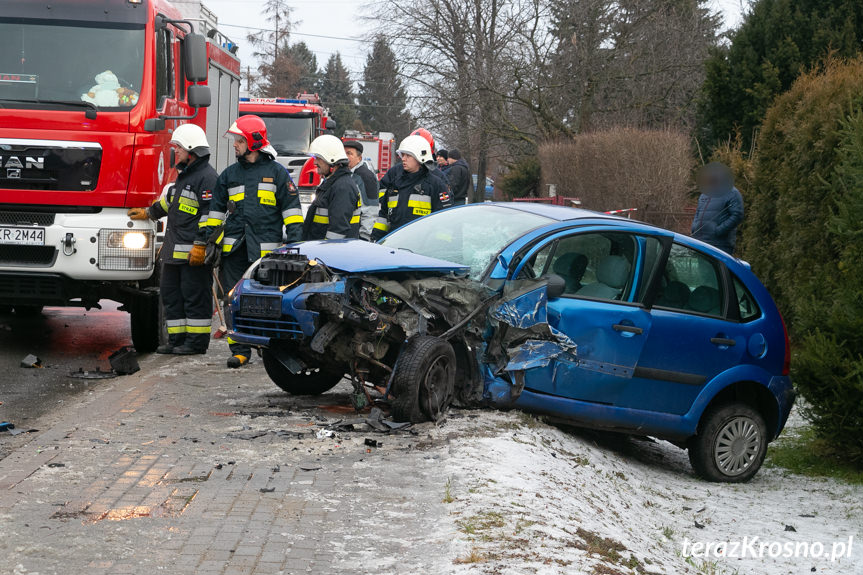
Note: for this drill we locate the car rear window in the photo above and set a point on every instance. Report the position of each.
(746, 304)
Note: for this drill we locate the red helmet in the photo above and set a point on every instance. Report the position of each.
(253, 129)
(426, 135)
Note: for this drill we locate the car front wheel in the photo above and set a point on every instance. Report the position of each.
(731, 444)
(310, 382)
(424, 379)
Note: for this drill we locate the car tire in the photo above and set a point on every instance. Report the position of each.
(28, 310)
(731, 443)
(310, 382)
(424, 380)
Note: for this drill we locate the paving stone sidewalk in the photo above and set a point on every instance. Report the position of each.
(186, 467)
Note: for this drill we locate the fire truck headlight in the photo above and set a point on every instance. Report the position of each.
(134, 241)
(131, 250)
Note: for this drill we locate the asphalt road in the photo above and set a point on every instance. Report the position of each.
(65, 339)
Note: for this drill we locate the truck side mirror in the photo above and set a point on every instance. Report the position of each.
(331, 124)
(154, 124)
(198, 96)
(195, 57)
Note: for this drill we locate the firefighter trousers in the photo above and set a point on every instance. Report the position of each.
(231, 270)
(188, 299)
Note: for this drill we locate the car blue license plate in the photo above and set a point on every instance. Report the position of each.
(261, 306)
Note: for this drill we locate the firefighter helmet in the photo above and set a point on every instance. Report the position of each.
(328, 148)
(426, 135)
(191, 138)
(253, 129)
(418, 147)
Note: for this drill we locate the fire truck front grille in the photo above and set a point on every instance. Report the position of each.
(42, 287)
(25, 218)
(30, 256)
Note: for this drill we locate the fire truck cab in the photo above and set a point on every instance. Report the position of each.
(378, 149)
(292, 124)
(90, 91)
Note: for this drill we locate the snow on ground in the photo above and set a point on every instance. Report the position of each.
(526, 497)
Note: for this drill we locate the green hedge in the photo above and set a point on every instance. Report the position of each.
(803, 235)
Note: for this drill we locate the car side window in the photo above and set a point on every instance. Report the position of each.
(691, 283)
(748, 309)
(164, 68)
(595, 265)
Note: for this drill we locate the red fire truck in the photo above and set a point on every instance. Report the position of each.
(378, 149)
(292, 124)
(90, 91)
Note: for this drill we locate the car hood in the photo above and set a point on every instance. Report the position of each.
(358, 256)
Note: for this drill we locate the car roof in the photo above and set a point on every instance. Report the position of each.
(559, 213)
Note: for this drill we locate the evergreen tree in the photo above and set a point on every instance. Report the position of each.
(309, 79)
(777, 41)
(382, 96)
(337, 94)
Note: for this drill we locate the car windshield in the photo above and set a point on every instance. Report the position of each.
(471, 236)
(46, 63)
(289, 136)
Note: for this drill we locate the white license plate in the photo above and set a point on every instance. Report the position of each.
(22, 236)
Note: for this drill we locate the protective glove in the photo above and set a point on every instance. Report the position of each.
(198, 253)
(138, 214)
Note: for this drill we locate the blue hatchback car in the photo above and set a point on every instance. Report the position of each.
(586, 318)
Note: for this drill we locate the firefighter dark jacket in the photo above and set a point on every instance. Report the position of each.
(258, 199)
(335, 213)
(407, 196)
(186, 204)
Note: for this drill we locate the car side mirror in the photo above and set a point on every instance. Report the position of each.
(195, 57)
(555, 286)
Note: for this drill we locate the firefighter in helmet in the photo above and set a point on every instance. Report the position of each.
(254, 199)
(410, 190)
(186, 285)
(335, 212)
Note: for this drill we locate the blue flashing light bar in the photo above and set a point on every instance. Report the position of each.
(273, 101)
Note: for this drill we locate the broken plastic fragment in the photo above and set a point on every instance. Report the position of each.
(31, 361)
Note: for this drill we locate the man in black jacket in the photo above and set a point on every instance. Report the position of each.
(255, 199)
(186, 285)
(335, 212)
(459, 178)
(410, 190)
(368, 190)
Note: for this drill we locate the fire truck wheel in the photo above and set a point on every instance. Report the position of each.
(146, 322)
(28, 310)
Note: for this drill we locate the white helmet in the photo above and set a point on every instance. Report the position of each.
(418, 147)
(191, 138)
(328, 148)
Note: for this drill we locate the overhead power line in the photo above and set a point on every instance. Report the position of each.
(294, 33)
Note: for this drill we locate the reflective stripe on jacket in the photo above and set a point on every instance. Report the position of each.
(335, 213)
(186, 205)
(265, 202)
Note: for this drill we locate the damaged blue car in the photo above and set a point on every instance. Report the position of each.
(586, 318)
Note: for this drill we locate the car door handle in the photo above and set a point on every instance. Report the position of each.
(628, 328)
(722, 341)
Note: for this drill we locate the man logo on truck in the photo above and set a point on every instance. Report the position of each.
(14, 162)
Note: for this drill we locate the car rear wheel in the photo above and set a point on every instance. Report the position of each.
(424, 380)
(311, 381)
(731, 444)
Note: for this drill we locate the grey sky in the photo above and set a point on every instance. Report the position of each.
(341, 18)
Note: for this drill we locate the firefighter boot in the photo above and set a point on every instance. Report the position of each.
(236, 361)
